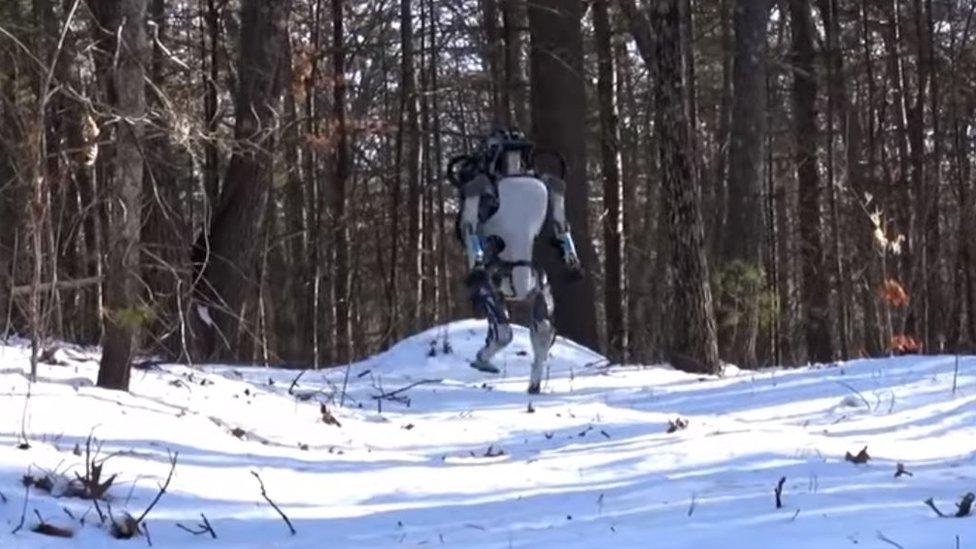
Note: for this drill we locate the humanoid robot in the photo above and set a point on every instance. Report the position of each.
(505, 206)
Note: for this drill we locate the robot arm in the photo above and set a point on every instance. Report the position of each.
(562, 238)
(473, 249)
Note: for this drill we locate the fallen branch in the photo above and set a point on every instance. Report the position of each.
(779, 492)
(855, 391)
(889, 541)
(861, 457)
(407, 388)
(23, 513)
(294, 382)
(46, 529)
(963, 509)
(264, 494)
(162, 489)
(203, 528)
(129, 527)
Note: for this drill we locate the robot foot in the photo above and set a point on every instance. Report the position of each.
(484, 366)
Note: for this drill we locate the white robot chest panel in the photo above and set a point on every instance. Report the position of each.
(522, 205)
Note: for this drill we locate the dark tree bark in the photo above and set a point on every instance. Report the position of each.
(496, 62)
(814, 287)
(613, 236)
(742, 238)
(693, 344)
(343, 168)
(121, 38)
(559, 125)
(514, 91)
(227, 254)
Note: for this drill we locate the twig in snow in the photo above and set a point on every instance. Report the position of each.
(796, 514)
(3, 498)
(46, 529)
(129, 526)
(861, 457)
(394, 393)
(931, 503)
(691, 508)
(345, 384)
(23, 513)
(678, 424)
(900, 470)
(855, 391)
(162, 489)
(963, 509)
(145, 530)
(955, 375)
(889, 541)
(264, 494)
(291, 388)
(779, 492)
(203, 528)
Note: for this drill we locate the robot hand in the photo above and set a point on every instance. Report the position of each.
(567, 251)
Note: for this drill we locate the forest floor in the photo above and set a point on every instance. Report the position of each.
(465, 459)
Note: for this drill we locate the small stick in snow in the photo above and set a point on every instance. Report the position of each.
(145, 530)
(3, 498)
(856, 392)
(860, 458)
(889, 541)
(407, 388)
(204, 528)
(264, 494)
(963, 509)
(931, 503)
(900, 470)
(779, 492)
(955, 375)
(294, 382)
(162, 489)
(691, 509)
(23, 513)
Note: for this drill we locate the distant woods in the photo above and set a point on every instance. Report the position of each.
(755, 181)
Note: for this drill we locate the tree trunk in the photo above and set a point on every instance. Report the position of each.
(694, 344)
(343, 169)
(121, 39)
(559, 125)
(814, 287)
(743, 235)
(613, 236)
(229, 249)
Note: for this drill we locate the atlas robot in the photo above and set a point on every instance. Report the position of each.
(504, 207)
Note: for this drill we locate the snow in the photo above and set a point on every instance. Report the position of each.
(463, 463)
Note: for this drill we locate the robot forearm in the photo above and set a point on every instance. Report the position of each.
(473, 249)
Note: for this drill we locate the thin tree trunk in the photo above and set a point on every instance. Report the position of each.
(613, 236)
(559, 125)
(814, 288)
(122, 39)
(229, 275)
(343, 169)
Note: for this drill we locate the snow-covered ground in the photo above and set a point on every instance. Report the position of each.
(464, 459)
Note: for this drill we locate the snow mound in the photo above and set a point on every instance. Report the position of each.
(412, 447)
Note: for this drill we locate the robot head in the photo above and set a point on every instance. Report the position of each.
(507, 153)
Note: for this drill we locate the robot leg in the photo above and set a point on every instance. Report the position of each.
(543, 332)
(499, 328)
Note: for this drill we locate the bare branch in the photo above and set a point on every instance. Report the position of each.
(264, 494)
